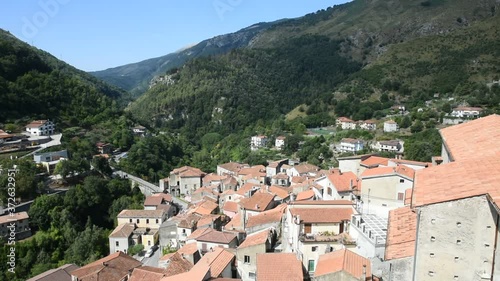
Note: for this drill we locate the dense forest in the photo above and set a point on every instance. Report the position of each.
(34, 84)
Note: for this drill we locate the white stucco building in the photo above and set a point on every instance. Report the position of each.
(351, 145)
(41, 128)
(390, 126)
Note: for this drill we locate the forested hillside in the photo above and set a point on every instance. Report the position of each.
(227, 93)
(34, 84)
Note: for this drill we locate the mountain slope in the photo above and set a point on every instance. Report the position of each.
(34, 84)
(135, 77)
(305, 60)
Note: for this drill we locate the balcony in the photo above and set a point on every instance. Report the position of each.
(326, 236)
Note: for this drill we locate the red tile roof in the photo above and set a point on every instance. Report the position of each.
(255, 239)
(343, 181)
(401, 233)
(322, 215)
(408, 194)
(279, 267)
(400, 170)
(306, 168)
(375, 161)
(15, 217)
(258, 202)
(205, 207)
(305, 195)
(177, 265)
(279, 191)
(218, 260)
(244, 189)
(350, 140)
(323, 202)
(207, 219)
(477, 138)
(123, 230)
(233, 166)
(231, 206)
(141, 214)
(266, 217)
(148, 273)
(344, 260)
(212, 235)
(188, 249)
(187, 171)
(61, 273)
(111, 268)
(458, 180)
(36, 124)
(345, 119)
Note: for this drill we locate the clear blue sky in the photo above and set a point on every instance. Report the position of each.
(95, 35)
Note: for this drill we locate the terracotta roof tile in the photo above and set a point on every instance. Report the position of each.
(234, 167)
(14, 217)
(218, 260)
(36, 123)
(255, 239)
(146, 273)
(401, 233)
(458, 180)
(400, 170)
(306, 168)
(350, 140)
(141, 214)
(111, 268)
(323, 202)
(345, 119)
(258, 202)
(177, 265)
(187, 171)
(207, 219)
(305, 195)
(231, 206)
(477, 138)
(322, 215)
(343, 181)
(269, 216)
(410, 162)
(279, 191)
(188, 249)
(343, 260)
(279, 266)
(123, 230)
(212, 235)
(61, 273)
(244, 189)
(408, 194)
(375, 161)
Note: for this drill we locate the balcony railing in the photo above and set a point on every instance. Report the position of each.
(342, 238)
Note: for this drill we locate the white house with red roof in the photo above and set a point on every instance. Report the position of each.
(184, 180)
(339, 185)
(350, 145)
(391, 126)
(383, 188)
(41, 128)
(370, 125)
(466, 112)
(257, 142)
(345, 123)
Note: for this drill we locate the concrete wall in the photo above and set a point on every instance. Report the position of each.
(380, 194)
(456, 240)
(350, 165)
(143, 222)
(245, 268)
(394, 270)
(123, 244)
(337, 276)
(445, 154)
(306, 249)
(189, 184)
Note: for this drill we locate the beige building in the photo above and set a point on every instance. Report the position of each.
(383, 189)
(246, 254)
(184, 180)
(16, 224)
(143, 218)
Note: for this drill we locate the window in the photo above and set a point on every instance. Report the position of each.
(247, 259)
(433, 238)
(433, 221)
(117, 243)
(149, 242)
(401, 196)
(456, 259)
(147, 220)
(194, 186)
(431, 273)
(251, 275)
(230, 199)
(459, 224)
(310, 266)
(431, 255)
(130, 220)
(314, 248)
(183, 230)
(459, 242)
(157, 221)
(401, 181)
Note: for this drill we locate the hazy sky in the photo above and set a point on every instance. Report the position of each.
(95, 35)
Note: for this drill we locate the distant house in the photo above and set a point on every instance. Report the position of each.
(369, 125)
(351, 145)
(49, 160)
(41, 128)
(278, 267)
(231, 168)
(246, 254)
(258, 142)
(466, 112)
(345, 123)
(22, 228)
(398, 108)
(121, 238)
(139, 130)
(338, 185)
(280, 142)
(390, 126)
(207, 239)
(104, 148)
(5, 136)
(389, 146)
(183, 180)
(143, 218)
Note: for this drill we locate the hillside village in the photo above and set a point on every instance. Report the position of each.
(372, 218)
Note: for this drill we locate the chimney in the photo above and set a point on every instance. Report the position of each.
(243, 218)
(351, 185)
